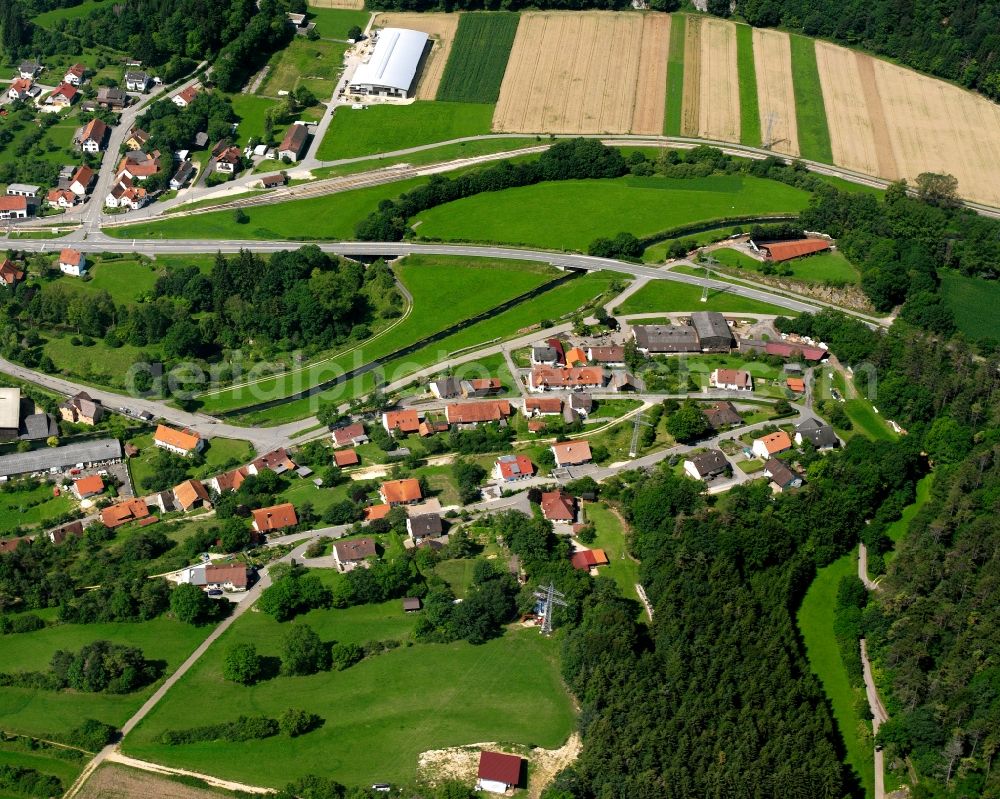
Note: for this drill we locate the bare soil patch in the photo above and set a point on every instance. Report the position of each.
(441, 28)
(690, 111)
(579, 72)
(851, 136)
(118, 782)
(719, 107)
(651, 86)
(772, 53)
(937, 127)
(884, 155)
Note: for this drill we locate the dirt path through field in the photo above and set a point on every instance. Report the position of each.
(884, 155)
(772, 55)
(719, 107)
(651, 88)
(690, 110)
(441, 28)
(851, 137)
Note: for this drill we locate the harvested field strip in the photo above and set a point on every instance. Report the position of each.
(647, 116)
(884, 156)
(773, 65)
(441, 28)
(575, 73)
(719, 107)
(675, 77)
(851, 136)
(746, 63)
(479, 57)
(692, 77)
(350, 4)
(937, 127)
(812, 106)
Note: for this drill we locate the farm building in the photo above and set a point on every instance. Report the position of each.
(498, 772)
(654, 339)
(294, 143)
(89, 453)
(391, 70)
(713, 331)
(777, 251)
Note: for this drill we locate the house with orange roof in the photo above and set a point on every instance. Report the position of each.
(89, 486)
(731, 380)
(558, 506)
(513, 467)
(773, 444)
(123, 512)
(228, 481)
(180, 442)
(10, 275)
(92, 137)
(472, 413)
(373, 512)
(542, 406)
(185, 97)
(796, 385)
(20, 89)
(75, 75)
(549, 378)
(79, 184)
(400, 492)
(405, 421)
(572, 453)
(191, 494)
(576, 357)
(60, 198)
(346, 457)
(13, 207)
(72, 262)
(277, 517)
(587, 559)
(63, 96)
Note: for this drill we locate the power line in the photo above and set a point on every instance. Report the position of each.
(550, 597)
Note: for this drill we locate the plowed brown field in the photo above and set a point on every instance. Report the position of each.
(585, 72)
(772, 54)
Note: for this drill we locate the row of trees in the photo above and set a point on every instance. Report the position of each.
(99, 667)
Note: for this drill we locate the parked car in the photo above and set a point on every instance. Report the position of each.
(215, 592)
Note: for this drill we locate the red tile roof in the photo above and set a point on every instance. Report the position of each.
(405, 421)
(515, 466)
(498, 767)
(786, 250)
(346, 457)
(558, 506)
(190, 492)
(571, 452)
(587, 558)
(397, 491)
(543, 405)
(786, 349)
(377, 512)
(86, 486)
(796, 384)
(237, 575)
(277, 517)
(732, 377)
(9, 272)
(70, 257)
(776, 442)
(186, 440)
(123, 512)
(9, 202)
(354, 550)
(96, 130)
(473, 412)
(567, 377)
(343, 436)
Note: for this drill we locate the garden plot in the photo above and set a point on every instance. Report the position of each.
(585, 73)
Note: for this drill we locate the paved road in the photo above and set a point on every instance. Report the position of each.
(870, 584)
(879, 717)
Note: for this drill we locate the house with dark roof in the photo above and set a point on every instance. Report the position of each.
(498, 772)
(660, 339)
(350, 435)
(713, 331)
(424, 525)
(183, 174)
(294, 143)
(819, 434)
(544, 355)
(706, 465)
(352, 553)
(446, 388)
(39, 426)
(721, 415)
(782, 478)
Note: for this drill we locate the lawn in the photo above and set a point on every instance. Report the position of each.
(32, 508)
(816, 623)
(250, 109)
(898, 528)
(669, 296)
(749, 110)
(439, 286)
(675, 77)
(125, 279)
(314, 64)
(622, 568)
(457, 573)
(334, 23)
(385, 128)
(810, 115)
(49, 18)
(570, 214)
(478, 57)
(831, 268)
(219, 456)
(45, 761)
(97, 364)
(379, 714)
(331, 217)
(39, 712)
(968, 297)
(866, 421)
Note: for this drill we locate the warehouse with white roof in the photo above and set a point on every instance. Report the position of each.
(391, 70)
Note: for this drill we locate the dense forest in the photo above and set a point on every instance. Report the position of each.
(953, 40)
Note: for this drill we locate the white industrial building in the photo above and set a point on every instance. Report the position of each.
(391, 70)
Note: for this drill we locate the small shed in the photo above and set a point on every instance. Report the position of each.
(411, 604)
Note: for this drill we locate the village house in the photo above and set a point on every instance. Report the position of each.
(123, 512)
(294, 143)
(509, 468)
(61, 198)
(93, 136)
(112, 99)
(576, 357)
(29, 70)
(481, 387)
(400, 492)
(185, 97)
(558, 506)
(424, 525)
(277, 517)
(782, 478)
(63, 96)
(228, 481)
(343, 458)
(820, 435)
(180, 442)
(89, 486)
(126, 195)
(191, 494)
(571, 453)
(183, 174)
(544, 355)
(228, 161)
(706, 465)
(580, 403)
(21, 89)
(10, 275)
(81, 408)
(542, 406)
(278, 461)
(446, 388)
(138, 165)
(548, 378)
(773, 444)
(137, 139)
(81, 180)
(587, 559)
(273, 181)
(226, 577)
(72, 262)
(606, 356)
(375, 512)
(498, 773)
(350, 435)
(731, 380)
(355, 552)
(13, 207)
(75, 75)
(137, 81)
(405, 421)
(473, 413)
(59, 534)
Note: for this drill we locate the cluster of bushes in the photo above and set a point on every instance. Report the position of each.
(294, 590)
(29, 782)
(244, 728)
(624, 246)
(127, 599)
(99, 667)
(23, 623)
(382, 581)
(490, 603)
